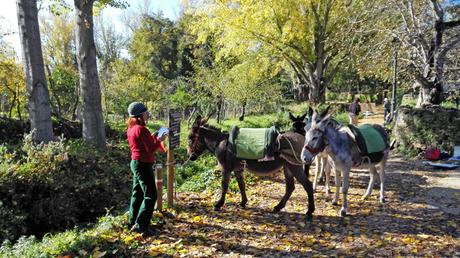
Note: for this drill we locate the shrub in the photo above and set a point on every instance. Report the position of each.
(57, 185)
(107, 237)
(342, 118)
(331, 96)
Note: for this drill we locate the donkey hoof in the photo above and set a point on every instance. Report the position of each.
(364, 197)
(276, 209)
(243, 205)
(382, 200)
(216, 208)
(343, 213)
(308, 218)
(335, 203)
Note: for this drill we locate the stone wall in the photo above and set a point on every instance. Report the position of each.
(416, 129)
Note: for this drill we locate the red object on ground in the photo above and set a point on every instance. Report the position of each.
(432, 154)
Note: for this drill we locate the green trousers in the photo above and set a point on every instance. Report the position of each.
(144, 193)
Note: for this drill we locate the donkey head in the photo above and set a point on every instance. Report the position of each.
(298, 122)
(315, 140)
(196, 144)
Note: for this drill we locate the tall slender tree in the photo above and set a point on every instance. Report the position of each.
(37, 90)
(92, 118)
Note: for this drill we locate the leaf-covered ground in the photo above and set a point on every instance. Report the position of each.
(413, 222)
(420, 218)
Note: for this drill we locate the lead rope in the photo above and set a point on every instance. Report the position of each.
(300, 163)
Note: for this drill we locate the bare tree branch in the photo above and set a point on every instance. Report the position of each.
(450, 44)
(451, 24)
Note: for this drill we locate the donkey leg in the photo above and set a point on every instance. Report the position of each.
(290, 186)
(225, 182)
(346, 179)
(382, 179)
(335, 201)
(308, 186)
(372, 174)
(242, 186)
(327, 175)
(317, 171)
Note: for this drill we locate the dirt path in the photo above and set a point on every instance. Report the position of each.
(376, 118)
(420, 218)
(413, 222)
(443, 185)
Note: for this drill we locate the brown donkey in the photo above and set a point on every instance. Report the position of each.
(287, 156)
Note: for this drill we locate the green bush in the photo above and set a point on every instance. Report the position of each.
(107, 237)
(53, 186)
(342, 118)
(331, 96)
(198, 175)
(281, 120)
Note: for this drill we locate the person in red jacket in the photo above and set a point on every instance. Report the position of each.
(143, 146)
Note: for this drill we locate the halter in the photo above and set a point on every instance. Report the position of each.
(195, 140)
(320, 148)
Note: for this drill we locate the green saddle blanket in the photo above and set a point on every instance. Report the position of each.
(369, 139)
(250, 143)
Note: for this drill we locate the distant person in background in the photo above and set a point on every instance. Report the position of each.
(353, 111)
(386, 110)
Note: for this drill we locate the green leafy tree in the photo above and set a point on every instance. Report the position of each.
(12, 87)
(109, 44)
(64, 88)
(310, 38)
(61, 64)
(156, 43)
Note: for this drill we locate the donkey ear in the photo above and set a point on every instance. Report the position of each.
(327, 117)
(302, 118)
(197, 121)
(208, 116)
(324, 113)
(310, 112)
(291, 117)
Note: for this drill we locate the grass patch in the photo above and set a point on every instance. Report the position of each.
(107, 238)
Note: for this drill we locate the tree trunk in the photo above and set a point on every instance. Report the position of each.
(219, 109)
(429, 95)
(37, 91)
(431, 83)
(57, 108)
(243, 114)
(300, 89)
(92, 118)
(75, 105)
(10, 112)
(317, 92)
(18, 106)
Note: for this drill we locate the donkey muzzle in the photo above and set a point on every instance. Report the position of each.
(306, 156)
(192, 157)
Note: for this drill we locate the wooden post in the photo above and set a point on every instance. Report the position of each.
(159, 183)
(170, 164)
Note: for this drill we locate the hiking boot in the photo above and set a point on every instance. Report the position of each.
(128, 225)
(145, 231)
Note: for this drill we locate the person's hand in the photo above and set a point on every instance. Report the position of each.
(163, 137)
